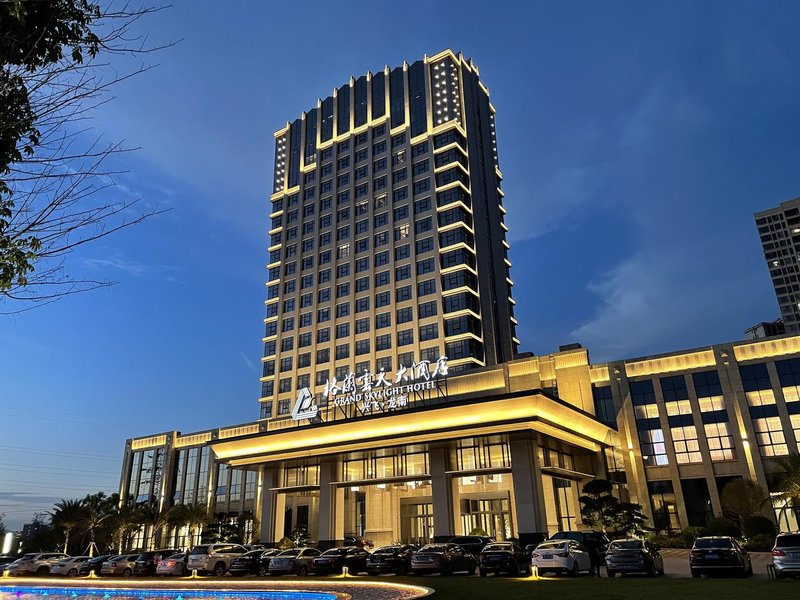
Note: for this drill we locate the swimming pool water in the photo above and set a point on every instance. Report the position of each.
(13, 592)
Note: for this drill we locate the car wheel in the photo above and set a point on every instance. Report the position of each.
(262, 571)
(445, 570)
(127, 573)
(302, 571)
(611, 574)
(695, 574)
(72, 573)
(515, 570)
(575, 571)
(219, 569)
(650, 570)
(483, 572)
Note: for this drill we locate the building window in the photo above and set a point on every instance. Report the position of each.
(403, 293)
(383, 342)
(428, 332)
(362, 347)
(381, 279)
(362, 304)
(402, 252)
(720, 441)
(426, 288)
(404, 315)
(770, 436)
(383, 299)
(286, 385)
(383, 320)
(323, 356)
(405, 337)
(342, 330)
(662, 501)
(687, 448)
(604, 404)
(401, 273)
(362, 325)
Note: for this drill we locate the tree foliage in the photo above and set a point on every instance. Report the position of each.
(56, 192)
(602, 510)
(743, 498)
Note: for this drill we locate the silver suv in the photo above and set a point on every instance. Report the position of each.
(213, 558)
(786, 555)
(36, 563)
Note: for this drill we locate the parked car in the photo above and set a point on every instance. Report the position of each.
(250, 547)
(357, 540)
(585, 538)
(122, 564)
(296, 560)
(503, 557)
(6, 559)
(70, 567)
(633, 556)
(174, 565)
(719, 555)
(444, 559)
(390, 559)
(35, 563)
(335, 559)
(473, 544)
(786, 555)
(147, 562)
(93, 565)
(561, 556)
(248, 563)
(265, 559)
(213, 558)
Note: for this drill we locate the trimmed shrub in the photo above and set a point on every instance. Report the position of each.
(761, 543)
(758, 525)
(723, 526)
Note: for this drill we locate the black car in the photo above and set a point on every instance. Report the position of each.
(444, 559)
(586, 538)
(719, 555)
(357, 540)
(266, 557)
(633, 556)
(335, 559)
(503, 557)
(93, 565)
(471, 543)
(391, 559)
(248, 563)
(147, 562)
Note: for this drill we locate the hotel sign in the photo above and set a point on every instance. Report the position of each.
(374, 392)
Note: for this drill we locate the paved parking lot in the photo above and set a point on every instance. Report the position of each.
(676, 563)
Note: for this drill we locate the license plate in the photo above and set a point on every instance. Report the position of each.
(494, 558)
(793, 554)
(547, 556)
(712, 555)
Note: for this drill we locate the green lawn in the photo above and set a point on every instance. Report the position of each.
(585, 588)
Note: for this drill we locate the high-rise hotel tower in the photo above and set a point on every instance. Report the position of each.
(387, 239)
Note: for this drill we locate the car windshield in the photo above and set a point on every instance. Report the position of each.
(567, 535)
(335, 552)
(180, 556)
(293, 552)
(551, 546)
(626, 545)
(27, 556)
(497, 547)
(254, 553)
(433, 549)
(788, 540)
(387, 550)
(199, 550)
(712, 543)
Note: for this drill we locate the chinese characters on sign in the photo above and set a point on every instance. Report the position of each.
(374, 392)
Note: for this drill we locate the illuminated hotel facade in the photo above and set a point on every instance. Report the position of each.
(394, 404)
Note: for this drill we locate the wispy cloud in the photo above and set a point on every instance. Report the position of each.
(249, 363)
(132, 268)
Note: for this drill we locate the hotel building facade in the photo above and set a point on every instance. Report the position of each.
(394, 403)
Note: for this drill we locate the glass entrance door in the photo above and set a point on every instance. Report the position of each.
(416, 523)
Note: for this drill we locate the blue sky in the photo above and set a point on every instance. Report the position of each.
(636, 139)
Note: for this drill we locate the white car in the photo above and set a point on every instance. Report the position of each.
(36, 563)
(70, 567)
(561, 556)
(213, 558)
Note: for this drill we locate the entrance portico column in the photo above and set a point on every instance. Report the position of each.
(526, 476)
(327, 505)
(442, 492)
(267, 508)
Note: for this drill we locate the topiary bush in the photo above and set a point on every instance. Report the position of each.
(758, 525)
(723, 526)
(761, 543)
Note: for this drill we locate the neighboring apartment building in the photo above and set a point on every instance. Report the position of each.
(394, 403)
(779, 230)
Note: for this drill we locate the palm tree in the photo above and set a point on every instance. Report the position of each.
(68, 514)
(98, 510)
(125, 521)
(196, 516)
(154, 519)
(789, 483)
